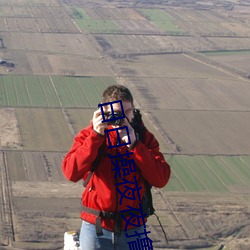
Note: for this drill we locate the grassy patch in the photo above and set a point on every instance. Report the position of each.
(79, 13)
(2, 14)
(93, 25)
(154, 15)
(85, 22)
(10, 91)
(162, 20)
(208, 173)
(56, 91)
(226, 53)
(168, 26)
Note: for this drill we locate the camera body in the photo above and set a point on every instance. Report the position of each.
(116, 118)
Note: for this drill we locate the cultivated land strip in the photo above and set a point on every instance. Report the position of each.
(7, 227)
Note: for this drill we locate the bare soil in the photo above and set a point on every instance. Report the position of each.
(10, 134)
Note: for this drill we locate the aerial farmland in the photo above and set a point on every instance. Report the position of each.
(187, 64)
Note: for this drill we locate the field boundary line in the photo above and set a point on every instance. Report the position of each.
(232, 171)
(204, 110)
(42, 88)
(7, 98)
(54, 87)
(174, 213)
(69, 89)
(216, 67)
(182, 184)
(197, 177)
(80, 85)
(248, 167)
(214, 172)
(70, 18)
(15, 91)
(25, 166)
(79, 29)
(65, 115)
(174, 147)
(7, 206)
(27, 89)
(96, 84)
(42, 52)
(34, 151)
(4, 89)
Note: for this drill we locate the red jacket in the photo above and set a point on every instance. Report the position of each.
(101, 192)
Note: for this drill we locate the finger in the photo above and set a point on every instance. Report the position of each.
(99, 117)
(97, 113)
(99, 122)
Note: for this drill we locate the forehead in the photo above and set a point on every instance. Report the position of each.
(116, 106)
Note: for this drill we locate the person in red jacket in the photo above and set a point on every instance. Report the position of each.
(117, 185)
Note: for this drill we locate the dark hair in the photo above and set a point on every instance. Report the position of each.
(115, 93)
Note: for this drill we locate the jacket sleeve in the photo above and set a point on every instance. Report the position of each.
(83, 152)
(151, 161)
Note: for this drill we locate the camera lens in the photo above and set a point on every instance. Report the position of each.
(115, 118)
(116, 122)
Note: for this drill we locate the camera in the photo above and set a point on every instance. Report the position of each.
(115, 117)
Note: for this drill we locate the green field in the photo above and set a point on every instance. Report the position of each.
(226, 53)
(92, 25)
(87, 23)
(55, 91)
(208, 173)
(79, 13)
(156, 15)
(189, 173)
(161, 19)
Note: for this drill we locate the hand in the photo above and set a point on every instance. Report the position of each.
(124, 136)
(98, 126)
